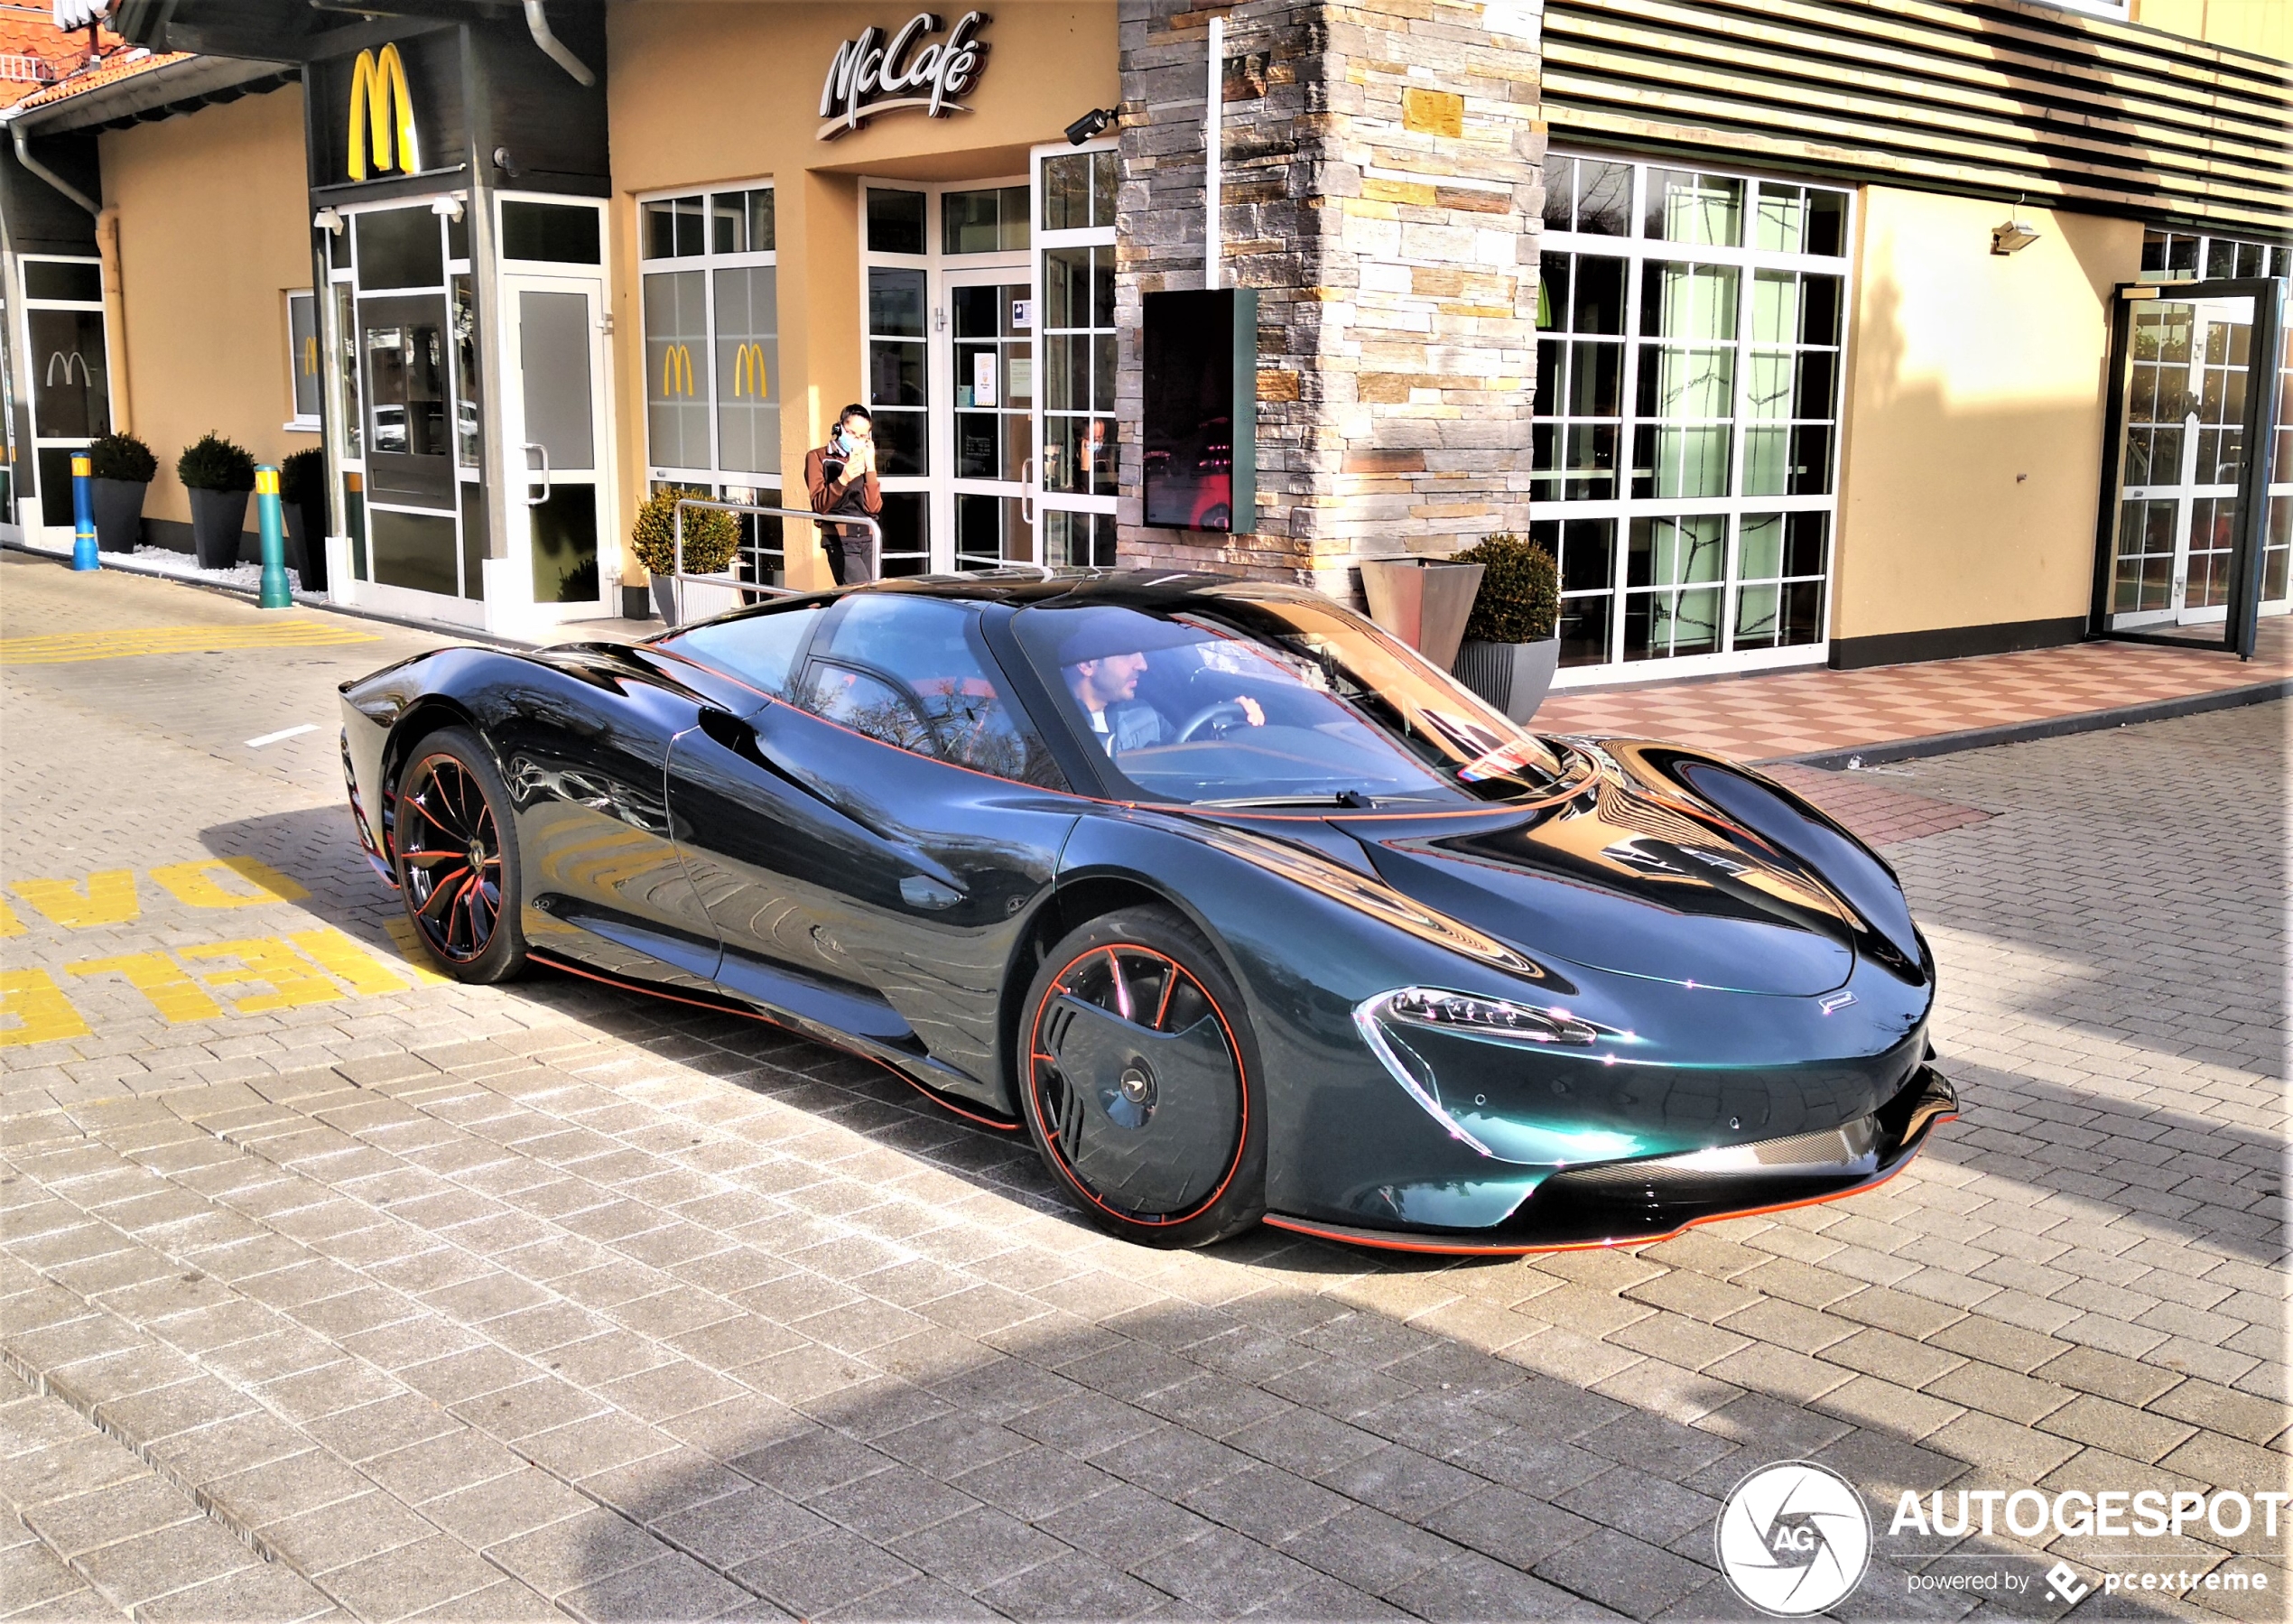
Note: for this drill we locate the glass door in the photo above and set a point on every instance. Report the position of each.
(991, 372)
(2183, 459)
(556, 409)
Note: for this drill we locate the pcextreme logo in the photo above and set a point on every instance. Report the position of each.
(676, 370)
(748, 372)
(382, 112)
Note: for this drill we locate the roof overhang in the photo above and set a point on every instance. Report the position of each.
(162, 92)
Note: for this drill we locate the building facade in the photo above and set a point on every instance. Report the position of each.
(1847, 330)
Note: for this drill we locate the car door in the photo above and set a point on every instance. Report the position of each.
(583, 739)
(882, 833)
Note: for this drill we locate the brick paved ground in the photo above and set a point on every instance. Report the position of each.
(320, 1294)
(1766, 716)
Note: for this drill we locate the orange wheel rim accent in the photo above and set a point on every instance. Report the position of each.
(1039, 1062)
(449, 863)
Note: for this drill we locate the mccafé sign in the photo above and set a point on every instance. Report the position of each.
(872, 74)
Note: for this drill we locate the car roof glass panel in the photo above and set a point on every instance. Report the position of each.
(760, 649)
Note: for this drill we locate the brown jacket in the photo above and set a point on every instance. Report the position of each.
(826, 494)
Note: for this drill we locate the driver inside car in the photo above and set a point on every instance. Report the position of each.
(1106, 685)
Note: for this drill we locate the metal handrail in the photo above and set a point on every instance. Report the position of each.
(678, 576)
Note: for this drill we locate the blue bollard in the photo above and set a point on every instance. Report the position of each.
(270, 518)
(84, 555)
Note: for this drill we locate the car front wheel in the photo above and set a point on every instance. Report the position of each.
(456, 855)
(1140, 1081)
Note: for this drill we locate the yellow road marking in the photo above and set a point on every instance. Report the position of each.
(62, 648)
(10, 925)
(191, 882)
(42, 1014)
(108, 897)
(171, 992)
(266, 960)
(338, 953)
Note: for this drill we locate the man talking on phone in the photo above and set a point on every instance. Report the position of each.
(841, 477)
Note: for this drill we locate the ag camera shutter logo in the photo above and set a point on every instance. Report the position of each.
(1794, 1538)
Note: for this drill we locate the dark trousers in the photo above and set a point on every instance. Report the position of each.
(847, 547)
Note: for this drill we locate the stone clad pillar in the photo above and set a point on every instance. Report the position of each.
(1382, 192)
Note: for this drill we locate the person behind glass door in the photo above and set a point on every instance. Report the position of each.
(841, 477)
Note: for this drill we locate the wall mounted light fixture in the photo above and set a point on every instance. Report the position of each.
(327, 220)
(2014, 235)
(448, 206)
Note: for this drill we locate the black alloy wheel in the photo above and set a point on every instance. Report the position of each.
(1140, 1080)
(456, 854)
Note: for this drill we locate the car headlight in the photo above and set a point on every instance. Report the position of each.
(1499, 1020)
(1502, 1131)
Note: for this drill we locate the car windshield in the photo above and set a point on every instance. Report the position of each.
(1276, 699)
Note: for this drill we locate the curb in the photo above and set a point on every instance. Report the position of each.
(302, 600)
(2044, 727)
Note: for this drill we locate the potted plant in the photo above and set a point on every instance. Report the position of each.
(121, 469)
(219, 475)
(302, 499)
(1512, 643)
(710, 540)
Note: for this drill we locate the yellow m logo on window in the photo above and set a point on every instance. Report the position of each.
(676, 370)
(748, 372)
(382, 113)
(310, 357)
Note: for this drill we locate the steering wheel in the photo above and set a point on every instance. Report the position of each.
(1229, 709)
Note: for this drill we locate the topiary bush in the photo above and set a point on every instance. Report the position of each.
(302, 477)
(710, 538)
(1520, 590)
(215, 463)
(121, 457)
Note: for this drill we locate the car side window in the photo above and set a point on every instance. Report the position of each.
(759, 649)
(912, 671)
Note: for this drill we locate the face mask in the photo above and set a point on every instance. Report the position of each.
(845, 444)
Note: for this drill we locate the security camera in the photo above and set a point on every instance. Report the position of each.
(1090, 125)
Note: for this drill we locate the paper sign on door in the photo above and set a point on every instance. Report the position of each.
(983, 392)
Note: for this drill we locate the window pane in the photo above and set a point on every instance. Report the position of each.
(1684, 207)
(1688, 301)
(399, 248)
(1584, 630)
(671, 227)
(302, 352)
(1588, 548)
(1102, 188)
(70, 394)
(747, 359)
(565, 233)
(728, 223)
(1600, 295)
(1066, 193)
(1603, 198)
(760, 221)
(81, 280)
(895, 303)
(1559, 194)
(895, 221)
(968, 221)
(467, 435)
(676, 349)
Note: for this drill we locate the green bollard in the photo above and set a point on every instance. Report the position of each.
(271, 519)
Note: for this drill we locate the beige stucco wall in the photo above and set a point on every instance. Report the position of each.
(1974, 414)
(213, 231)
(2259, 26)
(708, 93)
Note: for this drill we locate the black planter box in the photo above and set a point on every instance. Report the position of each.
(119, 513)
(217, 517)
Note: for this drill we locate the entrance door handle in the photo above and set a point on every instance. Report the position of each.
(1028, 492)
(531, 499)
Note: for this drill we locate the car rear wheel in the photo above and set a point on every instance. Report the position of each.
(1140, 1083)
(457, 854)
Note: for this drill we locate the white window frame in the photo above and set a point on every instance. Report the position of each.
(938, 484)
(1043, 242)
(298, 422)
(1637, 250)
(22, 333)
(715, 478)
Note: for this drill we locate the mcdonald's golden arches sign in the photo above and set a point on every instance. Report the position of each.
(748, 372)
(382, 116)
(676, 370)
